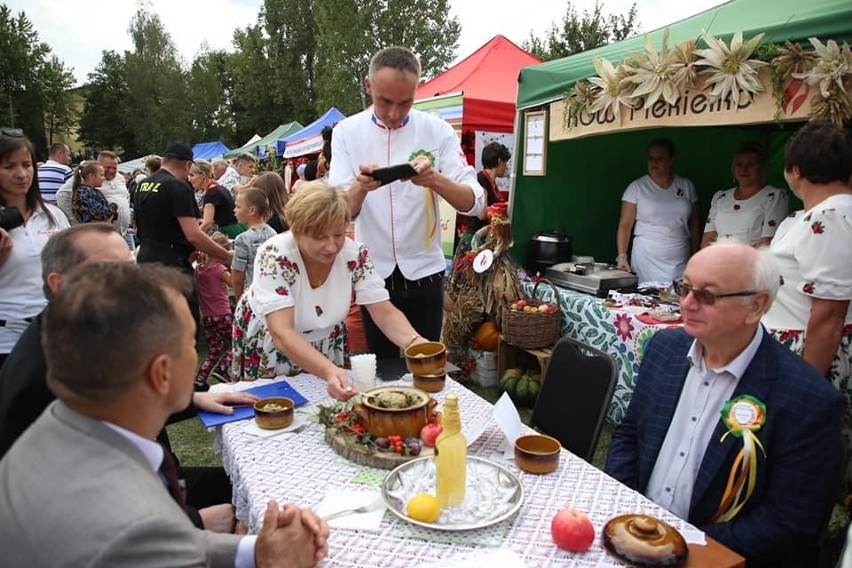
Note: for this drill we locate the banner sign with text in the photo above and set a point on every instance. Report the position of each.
(692, 108)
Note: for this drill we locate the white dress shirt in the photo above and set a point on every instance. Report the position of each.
(400, 222)
(153, 452)
(115, 190)
(698, 411)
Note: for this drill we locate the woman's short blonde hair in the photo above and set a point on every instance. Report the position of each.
(203, 167)
(317, 208)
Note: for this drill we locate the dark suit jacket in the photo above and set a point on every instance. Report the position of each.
(801, 435)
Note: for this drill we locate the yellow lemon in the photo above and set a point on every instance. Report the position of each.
(424, 508)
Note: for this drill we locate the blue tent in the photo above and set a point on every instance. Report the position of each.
(309, 139)
(209, 150)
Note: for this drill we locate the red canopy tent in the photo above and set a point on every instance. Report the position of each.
(488, 82)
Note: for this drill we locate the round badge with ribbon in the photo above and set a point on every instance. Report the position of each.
(742, 416)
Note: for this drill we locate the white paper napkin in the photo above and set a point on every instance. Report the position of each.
(502, 557)
(509, 421)
(693, 536)
(340, 499)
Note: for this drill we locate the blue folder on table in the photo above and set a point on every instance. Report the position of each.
(281, 388)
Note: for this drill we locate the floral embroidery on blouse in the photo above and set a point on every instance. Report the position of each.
(363, 265)
(818, 227)
(270, 264)
(808, 287)
(318, 310)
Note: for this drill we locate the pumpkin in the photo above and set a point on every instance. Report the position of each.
(526, 391)
(509, 381)
(486, 336)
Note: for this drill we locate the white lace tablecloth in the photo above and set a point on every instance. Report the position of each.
(301, 468)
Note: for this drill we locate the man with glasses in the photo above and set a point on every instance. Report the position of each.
(726, 427)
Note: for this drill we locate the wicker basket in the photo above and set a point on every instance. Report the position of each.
(533, 330)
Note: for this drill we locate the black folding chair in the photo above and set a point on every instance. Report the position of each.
(574, 397)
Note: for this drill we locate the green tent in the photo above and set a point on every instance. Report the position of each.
(270, 139)
(585, 177)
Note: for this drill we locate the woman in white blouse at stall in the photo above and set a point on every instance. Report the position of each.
(660, 210)
(750, 212)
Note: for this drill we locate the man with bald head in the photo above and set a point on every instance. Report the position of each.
(721, 387)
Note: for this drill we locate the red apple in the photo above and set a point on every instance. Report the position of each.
(572, 530)
(429, 433)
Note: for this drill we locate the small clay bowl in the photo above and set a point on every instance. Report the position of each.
(428, 358)
(536, 453)
(431, 383)
(274, 413)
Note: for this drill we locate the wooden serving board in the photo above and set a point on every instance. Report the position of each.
(363, 456)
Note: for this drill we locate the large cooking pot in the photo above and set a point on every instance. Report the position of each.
(405, 422)
(547, 249)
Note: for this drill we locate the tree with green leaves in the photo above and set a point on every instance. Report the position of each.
(107, 119)
(582, 33)
(349, 32)
(60, 114)
(159, 105)
(209, 86)
(33, 84)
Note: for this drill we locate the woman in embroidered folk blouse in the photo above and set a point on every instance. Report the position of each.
(90, 205)
(811, 314)
(750, 212)
(291, 317)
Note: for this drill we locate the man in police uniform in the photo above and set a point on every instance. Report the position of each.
(167, 214)
(167, 217)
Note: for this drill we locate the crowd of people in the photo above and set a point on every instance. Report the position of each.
(98, 353)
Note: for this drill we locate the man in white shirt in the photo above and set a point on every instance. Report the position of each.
(65, 485)
(114, 189)
(673, 447)
(54, 172)
(400, 222)
(225, 175)
(244, 165)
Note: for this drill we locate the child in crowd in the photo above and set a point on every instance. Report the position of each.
(212, 279)
(252, 210)
(89, 204)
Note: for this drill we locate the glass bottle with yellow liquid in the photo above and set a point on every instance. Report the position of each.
(450, 456)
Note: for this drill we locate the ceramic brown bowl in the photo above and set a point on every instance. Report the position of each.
(405, 422)
(430, 383)
(274, 413)
(428, 358)
(536, 453)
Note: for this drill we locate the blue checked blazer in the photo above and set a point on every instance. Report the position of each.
(801, 435)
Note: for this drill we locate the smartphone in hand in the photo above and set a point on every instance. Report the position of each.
(394, 173)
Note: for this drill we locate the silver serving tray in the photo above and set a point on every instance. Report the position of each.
(492, 493)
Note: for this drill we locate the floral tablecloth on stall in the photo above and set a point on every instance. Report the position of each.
(615, 331)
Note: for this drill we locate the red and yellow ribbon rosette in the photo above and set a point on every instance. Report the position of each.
(743, 416)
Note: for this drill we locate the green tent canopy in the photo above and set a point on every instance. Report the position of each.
(780, 20)
(271, 139)
(580, 193)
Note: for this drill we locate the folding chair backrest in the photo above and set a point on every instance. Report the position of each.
(575, 395)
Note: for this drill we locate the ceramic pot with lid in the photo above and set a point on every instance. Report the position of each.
(405, 422)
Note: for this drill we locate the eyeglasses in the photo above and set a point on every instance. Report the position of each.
(705, 297)
(12, 132)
